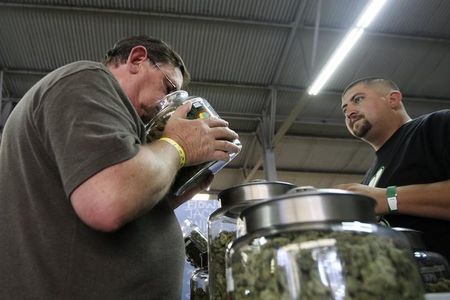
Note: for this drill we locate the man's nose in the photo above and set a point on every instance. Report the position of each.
(349, 111)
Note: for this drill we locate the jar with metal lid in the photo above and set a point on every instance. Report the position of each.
(195, 244)
(199, 284)
(223, 225)
(320, 244)
(433, 267)
(188, 176)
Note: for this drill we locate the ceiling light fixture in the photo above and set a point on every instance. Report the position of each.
(366, 17)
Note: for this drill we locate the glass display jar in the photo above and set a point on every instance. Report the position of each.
(188, 176)
(320, 244)
(433, 267)
(199, 284)
(223, 225)
(195, 244)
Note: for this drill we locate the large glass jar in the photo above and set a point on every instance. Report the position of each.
(188, 176)
(223, 225)
(320, 244)
(199, 284)
(433, 267)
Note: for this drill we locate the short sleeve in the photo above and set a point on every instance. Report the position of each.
(87, 124)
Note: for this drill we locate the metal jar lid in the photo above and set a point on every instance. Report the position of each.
(255, 190)
(233, 200)
(311, 205)
(414, 238)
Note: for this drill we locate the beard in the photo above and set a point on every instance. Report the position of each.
(361, 128)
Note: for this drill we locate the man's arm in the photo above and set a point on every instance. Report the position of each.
(118, 194)
(122, 192)
(424, 200)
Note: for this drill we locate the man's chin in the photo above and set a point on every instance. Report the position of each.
(361, 132)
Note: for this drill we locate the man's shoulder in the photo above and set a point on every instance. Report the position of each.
(79, 72)
(79, 66)
(443, 114)
(435, 120)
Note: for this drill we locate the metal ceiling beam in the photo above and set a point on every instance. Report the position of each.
(320, 171)
(215, 19)
(146, 14)
(348, 139)
(265, 133)
(1, 94)
(282, 88)
(316, 34)
(368, 32)
(287, 47)
(248, 153)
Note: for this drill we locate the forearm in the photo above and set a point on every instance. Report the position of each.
(124, 191)
(148, 177)
(425, 200)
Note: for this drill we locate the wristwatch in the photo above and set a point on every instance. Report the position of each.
(391, 195)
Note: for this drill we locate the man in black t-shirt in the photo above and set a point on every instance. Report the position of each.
(85, 211)
(410, 177)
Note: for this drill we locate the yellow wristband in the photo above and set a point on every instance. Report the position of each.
(180, 150)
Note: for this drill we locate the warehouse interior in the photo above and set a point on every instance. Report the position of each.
(253, 61)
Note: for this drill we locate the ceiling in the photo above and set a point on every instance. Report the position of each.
(252, 60)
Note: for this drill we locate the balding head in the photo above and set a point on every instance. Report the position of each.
(384, 85)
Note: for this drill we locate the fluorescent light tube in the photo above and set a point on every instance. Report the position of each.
(366, 17)
(338, 56)
(370, 13)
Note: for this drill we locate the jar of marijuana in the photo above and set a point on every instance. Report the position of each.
(320, 244)
(195, 244)
(433, 267)
(188, 176)
(199, 284)
(223, 225)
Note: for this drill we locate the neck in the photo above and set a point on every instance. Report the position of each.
(378, 140)
(121, 75)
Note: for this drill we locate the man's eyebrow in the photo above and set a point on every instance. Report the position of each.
(352, 99)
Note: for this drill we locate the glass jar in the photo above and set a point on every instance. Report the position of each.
(223, 225)
(195, 244)
(321, 244)
(188, 176)
(199, 284)
(433, 267)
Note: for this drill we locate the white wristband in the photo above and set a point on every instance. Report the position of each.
(391, 194)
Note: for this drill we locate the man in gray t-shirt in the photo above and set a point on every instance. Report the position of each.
(85, 211)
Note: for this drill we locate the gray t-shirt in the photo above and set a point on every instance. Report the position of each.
(73, 123)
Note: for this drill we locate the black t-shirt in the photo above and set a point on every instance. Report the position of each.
(73, 123)
(417, 153)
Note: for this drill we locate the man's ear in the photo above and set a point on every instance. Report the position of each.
(138, 56)
(395, 98)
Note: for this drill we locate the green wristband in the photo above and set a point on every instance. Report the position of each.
(391, 195)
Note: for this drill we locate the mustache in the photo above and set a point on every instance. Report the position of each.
(355, 118)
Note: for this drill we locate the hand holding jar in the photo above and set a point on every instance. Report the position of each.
(203, 139)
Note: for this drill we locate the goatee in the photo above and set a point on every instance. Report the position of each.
(361, 128)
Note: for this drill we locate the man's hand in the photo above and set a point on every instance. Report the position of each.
(202, 139)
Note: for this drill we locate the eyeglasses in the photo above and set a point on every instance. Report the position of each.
(173, 86)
